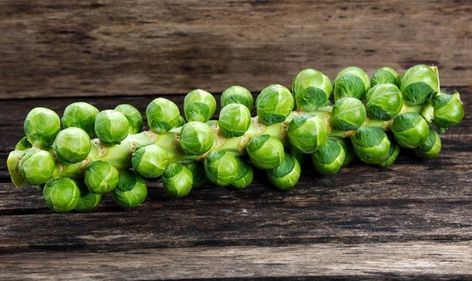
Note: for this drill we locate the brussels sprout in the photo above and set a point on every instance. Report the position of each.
(162, 115)
(81, 115)
(37, 166)
(23, 144)
(385, 75)
(87, 200)
(431, 147)
(384, 101)
(131, 190)
(150, 161)
(181, 121)
(307, 133)
(265, 152)
(410, 129)
(419, 83)
(448, 110)
(234, 120)
(61, 194)
(177, 180)
(285, 176)
(135, 120)
(351, 82)
(239, 95)
(393, 153)
(371, 145)
(274, 104)
(348, 114)
(311, 89)
(111, 126)
(199, 105)
(245, 175)
(347, 150)
(198, 174)
(221, 168)
(72, 145)
(196, 138)
(329, 159)
(101, 177)
(41, 127)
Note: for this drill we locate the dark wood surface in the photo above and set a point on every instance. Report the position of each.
(108, 48)
(412, 221)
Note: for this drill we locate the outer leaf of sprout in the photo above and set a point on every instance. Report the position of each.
(134, 117)
(221, 168)
(286, 175)
(37, 166)
(41, 126)
(431, 147)
(349, 154)
(111, 127)
(178, 180)
(329, 159)
(274, 104)
(101, 177)
(311, 89)
(448, 110)
(351, 82)
(87, 200)
(23, 144)
(13, 163)
(393, 153)
(384, 101)
(419, 83)
(72, 145)
(245, 175)
(307, 133)
(196, 138)
(199, 105)
(131, 190)
(385, 75)
(410, 129)
(234, 120)
(348, 114)
(81, 115)
(198, 173)
(265, 152)
(239, 95)
(162, 115)
(371, 145)
(150, 161)
(61, 194)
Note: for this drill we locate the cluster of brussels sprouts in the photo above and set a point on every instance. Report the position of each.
(87, 153)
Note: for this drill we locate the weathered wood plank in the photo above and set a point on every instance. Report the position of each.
(370, 261)
(109, 48)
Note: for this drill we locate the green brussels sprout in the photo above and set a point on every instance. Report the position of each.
(135, 119)
(393, 153)
(311, 89)
(196, 138)
(41, 127)
(245, 175)
(87, 200)
(221, 168)
(101, 177)
(61, 194)
(274, 104)
(150, 161)
(385, 75)
(349, 154)
(410, 129)
(384, 101)
(371, 145)
(239, 95)
(181, 121)
(111, 126)
(37, 166)
(162, 115)
(348, 114)
(81, 115)
(131, 190)
(199, 105)
(419, 83)
(286, 175)
(198, 173)
(72, 145)
(431, 147)
(234, 120)
(329, 159)
(351, 82)
(178, 180)
(448, 110)
(23, 144)
(265, 152)
(307, 133)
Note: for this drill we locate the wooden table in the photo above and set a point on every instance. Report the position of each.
(412, 221)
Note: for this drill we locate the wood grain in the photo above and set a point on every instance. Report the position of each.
(57, 48)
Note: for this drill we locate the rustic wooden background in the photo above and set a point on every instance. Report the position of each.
(412, 221)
